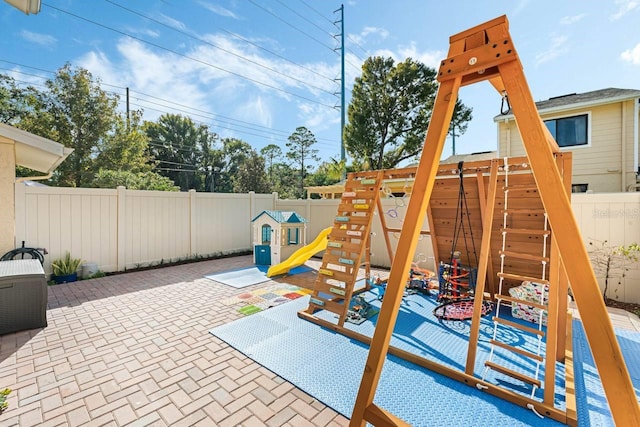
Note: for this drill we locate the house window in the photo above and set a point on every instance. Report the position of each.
(292, 236)
(266, 234)
(579, 188)
(569, 131)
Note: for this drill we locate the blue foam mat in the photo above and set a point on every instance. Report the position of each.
(593, 409)
(243, 277)
(329, 367)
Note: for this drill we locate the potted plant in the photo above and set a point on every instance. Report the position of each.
(65, 269)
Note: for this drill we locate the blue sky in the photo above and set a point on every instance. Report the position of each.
(257, 69)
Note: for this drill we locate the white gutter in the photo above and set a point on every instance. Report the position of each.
(34, 178)
(577, 105)
(35, 152)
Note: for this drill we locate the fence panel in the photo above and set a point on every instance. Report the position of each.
(82, 221)
(615, 218)
(153, 226)
(156, 227)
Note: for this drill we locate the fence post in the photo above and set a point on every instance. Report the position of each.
(193, 224)
(308, 217)
(275, 201)
(121, 223)
(252, 214)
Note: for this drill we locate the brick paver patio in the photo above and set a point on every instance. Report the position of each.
(134, 349)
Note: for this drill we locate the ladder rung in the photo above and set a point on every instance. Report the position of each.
(528, 257)
(526, 231)
(521, 301)
(517, 350)
(513, 374)
(515, 325)
(524, 211)
(523, 278)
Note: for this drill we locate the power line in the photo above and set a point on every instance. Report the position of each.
(304, 17)
(290, 25)
(266, 133)
(239, 37)
(189, 57)
(218, 47)
(316, 11)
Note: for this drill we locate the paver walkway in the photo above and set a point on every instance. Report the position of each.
(134, 349)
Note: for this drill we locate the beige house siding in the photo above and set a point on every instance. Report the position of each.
(602, 164)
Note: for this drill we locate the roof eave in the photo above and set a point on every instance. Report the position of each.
(575, 106)
(35, 152)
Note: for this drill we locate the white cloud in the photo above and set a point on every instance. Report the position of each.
(173, 23)
(429, 58)
(255, 111)
(368, 33)
(218, 10)
(624, 7)
(632, 55)
(522, 5)
(557, 48)
(38, 38)
(568, 20)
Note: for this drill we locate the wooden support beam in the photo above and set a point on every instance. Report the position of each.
(414, 218)
(565, 165)
(597, 324)
(483, 266)
(385, 228)
(484, 202)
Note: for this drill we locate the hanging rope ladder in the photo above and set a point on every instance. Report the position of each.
(537, 356)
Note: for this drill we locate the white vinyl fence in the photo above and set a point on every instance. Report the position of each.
(123, 229)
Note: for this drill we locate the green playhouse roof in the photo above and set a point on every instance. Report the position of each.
(282, 216)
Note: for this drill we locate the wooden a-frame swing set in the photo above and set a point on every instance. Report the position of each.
(486, 52)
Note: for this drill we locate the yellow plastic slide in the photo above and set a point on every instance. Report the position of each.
(301, 255)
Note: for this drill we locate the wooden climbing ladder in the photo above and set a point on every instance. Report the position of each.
(348, 248)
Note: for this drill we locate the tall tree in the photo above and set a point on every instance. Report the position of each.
(271, 153)
(76, 112)
(389, 112)
(459, 122)
(301, 153)
(235, 152)
(13, 100)
(251, 175)
(177, 144)
(126, 148)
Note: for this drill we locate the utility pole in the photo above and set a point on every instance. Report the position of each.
(342, 111)
(128, 113)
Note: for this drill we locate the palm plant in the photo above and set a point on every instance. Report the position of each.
(65, 265)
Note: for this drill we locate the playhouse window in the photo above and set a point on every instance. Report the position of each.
(266, 234)
(292, 236)
(569, 131)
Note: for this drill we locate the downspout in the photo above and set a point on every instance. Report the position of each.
(636, 131)
(34, 178)
(623, 148)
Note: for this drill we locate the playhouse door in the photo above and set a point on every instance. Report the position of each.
(262, 254)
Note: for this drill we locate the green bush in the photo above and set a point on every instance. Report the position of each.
(3, 399)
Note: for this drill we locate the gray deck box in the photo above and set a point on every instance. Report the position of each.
(23, 295)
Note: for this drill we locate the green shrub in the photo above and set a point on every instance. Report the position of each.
(66, 265)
